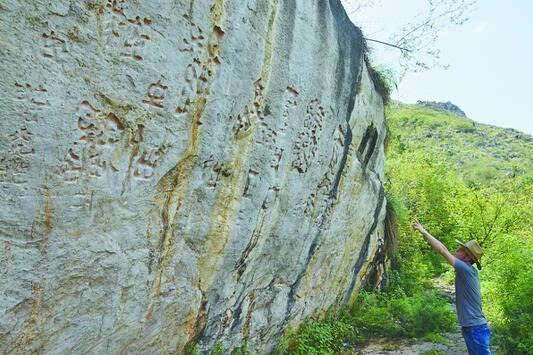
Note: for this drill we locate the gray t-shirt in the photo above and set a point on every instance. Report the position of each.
(468, 295)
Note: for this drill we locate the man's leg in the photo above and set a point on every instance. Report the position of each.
(477, 339)
(467, 336)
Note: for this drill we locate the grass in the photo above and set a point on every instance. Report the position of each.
(436, 338)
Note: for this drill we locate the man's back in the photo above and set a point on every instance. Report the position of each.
(468, 295)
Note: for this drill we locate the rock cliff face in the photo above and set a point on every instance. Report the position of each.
(179, 172)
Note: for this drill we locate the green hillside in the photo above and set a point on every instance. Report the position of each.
(480, 152)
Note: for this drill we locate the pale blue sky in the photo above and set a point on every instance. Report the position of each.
(491, 60)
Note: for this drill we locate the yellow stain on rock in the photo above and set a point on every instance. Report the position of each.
(224, 212)
(172, 191)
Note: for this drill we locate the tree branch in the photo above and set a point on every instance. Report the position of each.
(388, 44)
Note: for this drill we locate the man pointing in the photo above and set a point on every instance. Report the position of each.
(476, 332)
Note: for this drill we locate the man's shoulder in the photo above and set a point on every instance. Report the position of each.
(462, 267)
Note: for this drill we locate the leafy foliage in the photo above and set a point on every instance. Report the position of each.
(383, 79)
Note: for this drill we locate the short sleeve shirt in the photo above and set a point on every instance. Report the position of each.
(468, 295)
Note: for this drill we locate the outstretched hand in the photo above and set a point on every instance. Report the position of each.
(417, 226)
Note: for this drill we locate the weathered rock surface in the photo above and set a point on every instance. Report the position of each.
(178, 172)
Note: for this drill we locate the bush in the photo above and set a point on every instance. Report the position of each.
(510, 294)
(322, 337)
(395, 315)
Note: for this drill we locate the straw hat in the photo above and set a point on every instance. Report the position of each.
(473, 249)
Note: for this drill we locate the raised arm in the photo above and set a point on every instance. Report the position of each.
(435, 243)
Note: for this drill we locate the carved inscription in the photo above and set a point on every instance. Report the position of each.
(20, 143)
(306, 145)
(276, 158)
(15, 162)
(135, 42)
(102, 135)
(54, 47)
(127, 35)
(31, 99)
(322, 198)
(82, 200)
(92, 154)
(202, 48)
(147, 160)
(213, 171)
(196, 83)
(269, 136)
(155, 95)
(116, 6)
(114, 23)
(291, 102)
(242, 122)
(250, 181)
(35, 96)
(72, 166)
(195, 42)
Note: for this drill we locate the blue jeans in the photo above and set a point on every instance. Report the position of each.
(477, 339)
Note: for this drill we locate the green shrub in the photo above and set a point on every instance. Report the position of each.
(242, 349)
(219, 349)
(322, 337)
(383, 79)
(436, 338)
(397, 315)
(510, 294)
(193, 350)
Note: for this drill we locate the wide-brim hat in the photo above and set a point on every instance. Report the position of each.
(473, 249)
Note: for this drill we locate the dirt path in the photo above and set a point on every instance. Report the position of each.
(455, 346)
(454, 341)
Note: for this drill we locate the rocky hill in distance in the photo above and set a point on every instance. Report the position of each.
(442, 106)
(481, 152)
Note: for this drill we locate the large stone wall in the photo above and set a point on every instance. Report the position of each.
(177, 172)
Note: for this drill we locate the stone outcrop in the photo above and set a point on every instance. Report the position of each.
(442, 106)
(182, 172)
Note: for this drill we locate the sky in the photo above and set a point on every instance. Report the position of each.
(490, 59)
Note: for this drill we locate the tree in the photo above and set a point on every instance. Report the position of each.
(414, 40)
